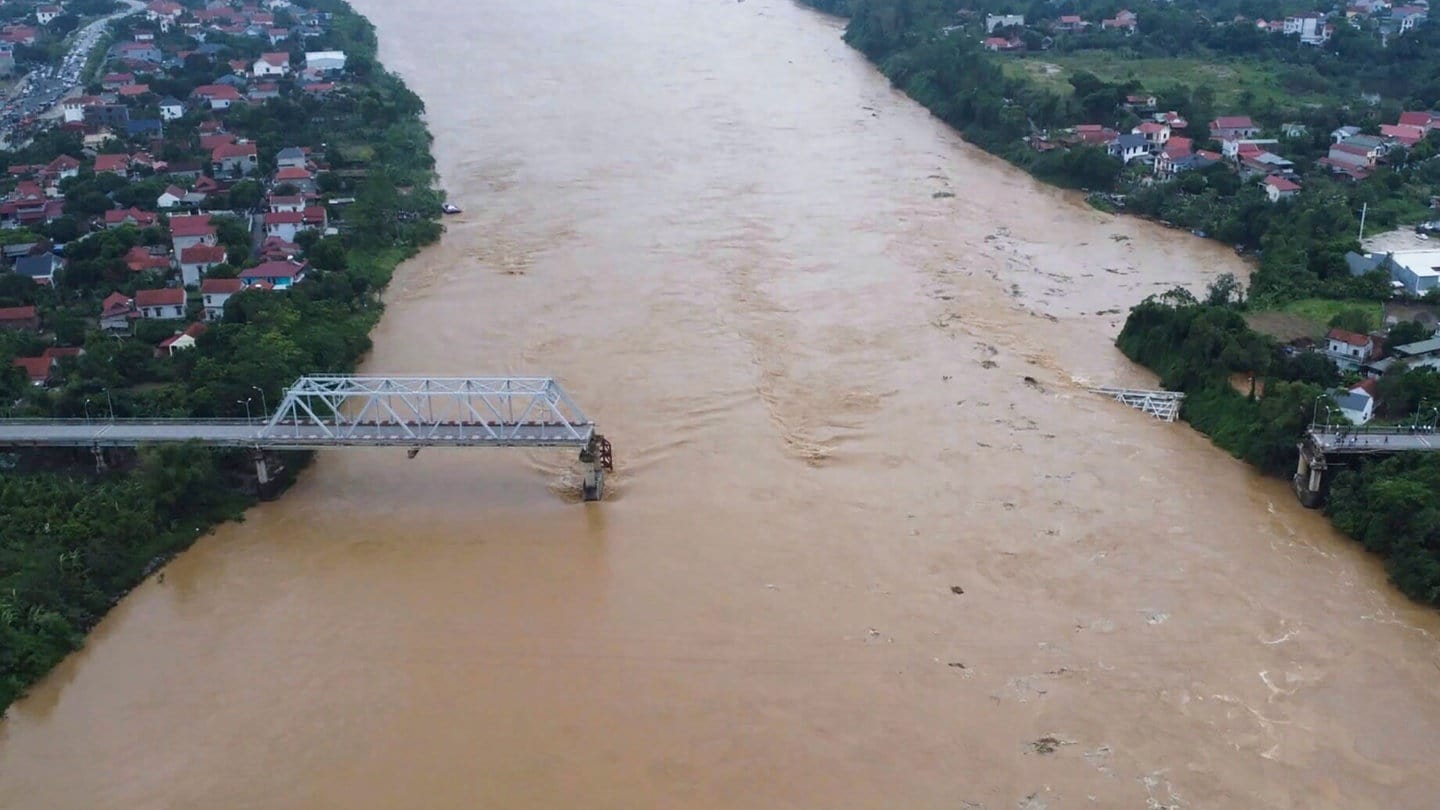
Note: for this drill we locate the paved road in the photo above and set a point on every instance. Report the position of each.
(231, 433)
(1375, 442)
(44, 87)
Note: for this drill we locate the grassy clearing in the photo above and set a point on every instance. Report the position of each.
(1321, 310)
(1230, 79)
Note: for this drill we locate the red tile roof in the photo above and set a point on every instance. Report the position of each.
(203, 254)
(112, 163)
(17, 313)
(198, 225)
(116, 304)
(160, 298)
(211, 286)
(1349, 337)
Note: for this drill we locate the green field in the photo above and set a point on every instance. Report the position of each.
(1230, 79)
(1321, 310)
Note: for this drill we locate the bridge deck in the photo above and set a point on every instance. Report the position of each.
(1375, 440)
(290, 435)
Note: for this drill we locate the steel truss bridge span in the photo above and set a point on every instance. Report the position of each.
(355, 411)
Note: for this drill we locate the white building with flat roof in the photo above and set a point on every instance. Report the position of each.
(325, 61)
(1418, 270)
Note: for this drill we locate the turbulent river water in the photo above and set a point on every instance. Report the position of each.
(805, 313)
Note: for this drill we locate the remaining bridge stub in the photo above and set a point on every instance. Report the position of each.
(364, 411)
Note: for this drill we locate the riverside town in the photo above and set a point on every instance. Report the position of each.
(197, 210)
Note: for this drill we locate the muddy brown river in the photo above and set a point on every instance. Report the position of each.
(804, 312)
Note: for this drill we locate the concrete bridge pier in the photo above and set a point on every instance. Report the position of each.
(597, 454)
(267, 466)
(1309, 478)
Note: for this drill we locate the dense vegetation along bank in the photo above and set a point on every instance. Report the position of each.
(73, 541)
(1204, 347)
(932, 49)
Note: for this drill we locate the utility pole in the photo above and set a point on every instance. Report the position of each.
(1363, 208)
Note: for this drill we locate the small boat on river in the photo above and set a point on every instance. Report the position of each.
(451, 208)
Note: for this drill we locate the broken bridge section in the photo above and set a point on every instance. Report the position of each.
(321, 411)
(1163, 405)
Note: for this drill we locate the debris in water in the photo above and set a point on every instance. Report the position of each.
(1047, 744)
(957, 590)
(956, 664)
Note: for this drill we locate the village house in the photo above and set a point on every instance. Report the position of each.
(143, 258)
(1405, 18)
(993, 21)
(171, 108)
(196, 261)
(1233, 128)
(1350, 350)
(217, 96)
(116, 313)
(41, 269)
(1002, 45)
(214, 292)
(1124, 21)
(1279, 188)
(1357, 404)
(280, 275)
(41, 370)
(271, 64)
(315, 218)
(163, 304)
(177, 197)
(1341, 133)
(18, 319)
(129, 216)
(189, 231)
(114, 164)
(284, 224)
(1155, 135)
(276, 249)
(1311, 28)
(47, 14)
(334, 61)
(27, 205)
(1139, 103)
(139, 51)
(1069, 24)
(300, 179)
(115, 81)
(19, 34)
(234, 159)
(1129, 147)
(291, 157)
(163, 12)
(286, 204)
(180, 340)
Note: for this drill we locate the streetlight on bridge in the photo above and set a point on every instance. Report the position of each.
(264, 405)
(246, 403)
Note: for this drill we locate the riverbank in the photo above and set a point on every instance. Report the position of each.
(1041, 127)
(74, 543)
(1198, 348)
